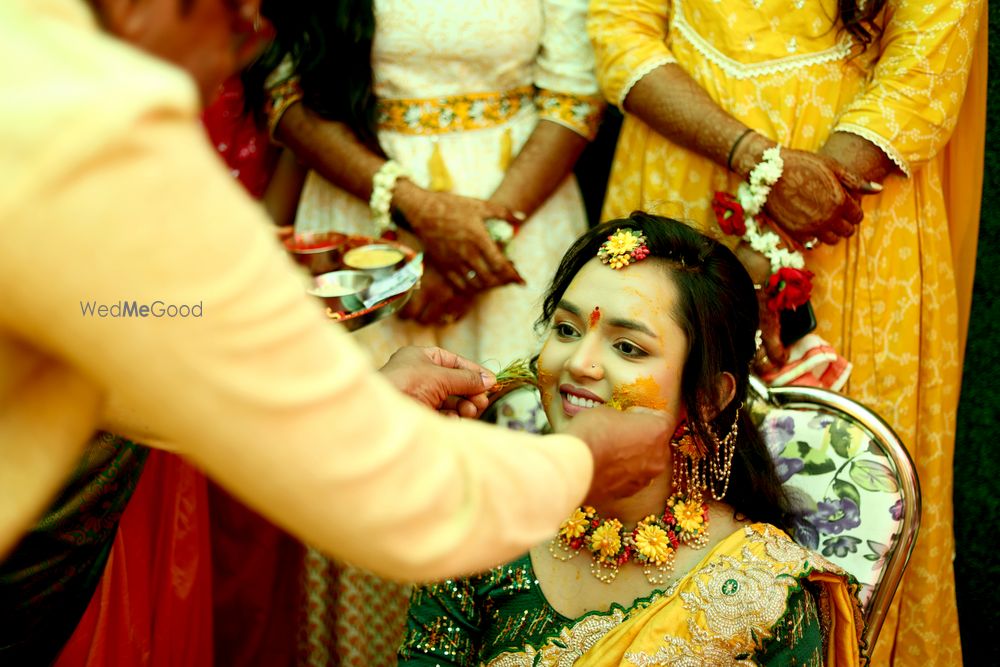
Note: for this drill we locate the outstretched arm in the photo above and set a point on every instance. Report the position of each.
(260, 389)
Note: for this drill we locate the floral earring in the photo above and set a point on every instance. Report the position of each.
(697, 467)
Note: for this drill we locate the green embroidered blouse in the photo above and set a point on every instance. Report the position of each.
(473, 621)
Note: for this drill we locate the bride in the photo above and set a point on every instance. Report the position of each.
(696, 568)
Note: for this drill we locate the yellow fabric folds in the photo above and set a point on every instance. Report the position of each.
(962, 179)
(728, 604)
(440, 176)
(506, 150)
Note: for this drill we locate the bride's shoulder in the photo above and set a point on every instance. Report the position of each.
(765, 544)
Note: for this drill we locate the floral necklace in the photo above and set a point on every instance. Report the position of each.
(652, 543)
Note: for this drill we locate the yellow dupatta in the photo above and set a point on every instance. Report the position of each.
(729, 603)
(962, 178)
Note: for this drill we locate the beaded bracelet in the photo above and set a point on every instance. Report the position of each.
(383, 184)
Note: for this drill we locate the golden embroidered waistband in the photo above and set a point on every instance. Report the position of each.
(454, 113)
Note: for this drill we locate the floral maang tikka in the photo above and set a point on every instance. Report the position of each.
(624, 247)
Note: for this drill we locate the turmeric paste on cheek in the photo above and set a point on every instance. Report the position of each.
(643, 393)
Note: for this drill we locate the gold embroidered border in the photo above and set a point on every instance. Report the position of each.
(582, 114)
(280, 97)
(566, 648)
(440, 115)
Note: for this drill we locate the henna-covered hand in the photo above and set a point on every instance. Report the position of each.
(861, 157)
(816, 196)
(453, 232)
(437, 302)
(774, 353)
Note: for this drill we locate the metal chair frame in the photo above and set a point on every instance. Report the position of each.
(881, 433)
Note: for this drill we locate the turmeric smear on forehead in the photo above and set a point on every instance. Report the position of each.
(643, 393)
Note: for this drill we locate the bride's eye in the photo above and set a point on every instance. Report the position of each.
(629, 349)
(565, 330)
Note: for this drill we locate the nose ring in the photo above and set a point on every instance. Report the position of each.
(593, 365)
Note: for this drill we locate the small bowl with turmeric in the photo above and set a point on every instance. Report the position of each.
(377, 260)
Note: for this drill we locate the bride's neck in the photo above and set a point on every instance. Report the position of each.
(635, 508)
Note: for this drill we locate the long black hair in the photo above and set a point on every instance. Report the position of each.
(329, 43)
(717, 309)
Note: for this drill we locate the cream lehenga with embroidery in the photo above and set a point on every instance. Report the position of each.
(460, 88)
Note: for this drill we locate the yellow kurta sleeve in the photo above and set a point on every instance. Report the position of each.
(630, 41)
(564, 70)
(910, 107)
(260, 389)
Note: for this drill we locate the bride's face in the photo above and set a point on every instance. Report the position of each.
(613, 336)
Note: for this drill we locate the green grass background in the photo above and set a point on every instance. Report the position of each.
(977, 453)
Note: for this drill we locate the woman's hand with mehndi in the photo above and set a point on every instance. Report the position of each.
(815, 198)
(437, 302)
(453, 231)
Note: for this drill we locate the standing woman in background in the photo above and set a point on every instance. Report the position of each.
(464, 122)
(857, 95)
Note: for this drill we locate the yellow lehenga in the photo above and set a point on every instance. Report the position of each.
(886, 298)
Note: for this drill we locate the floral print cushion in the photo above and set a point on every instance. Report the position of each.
(848, 488)
(521, 410)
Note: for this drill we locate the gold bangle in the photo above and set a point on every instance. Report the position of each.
(280, 98)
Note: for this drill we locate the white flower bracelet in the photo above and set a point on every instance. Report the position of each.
(383, 184)
(753, 194)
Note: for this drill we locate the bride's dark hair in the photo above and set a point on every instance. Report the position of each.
(717, 310)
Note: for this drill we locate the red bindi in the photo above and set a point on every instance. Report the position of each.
(595, 316)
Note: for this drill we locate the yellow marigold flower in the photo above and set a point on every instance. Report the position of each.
(575, 526)
(617, 251)
(622, 242)
(606, 539)
(688, 515)
(654, 544)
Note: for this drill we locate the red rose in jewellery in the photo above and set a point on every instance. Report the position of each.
(790, 288)
(729, 214)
